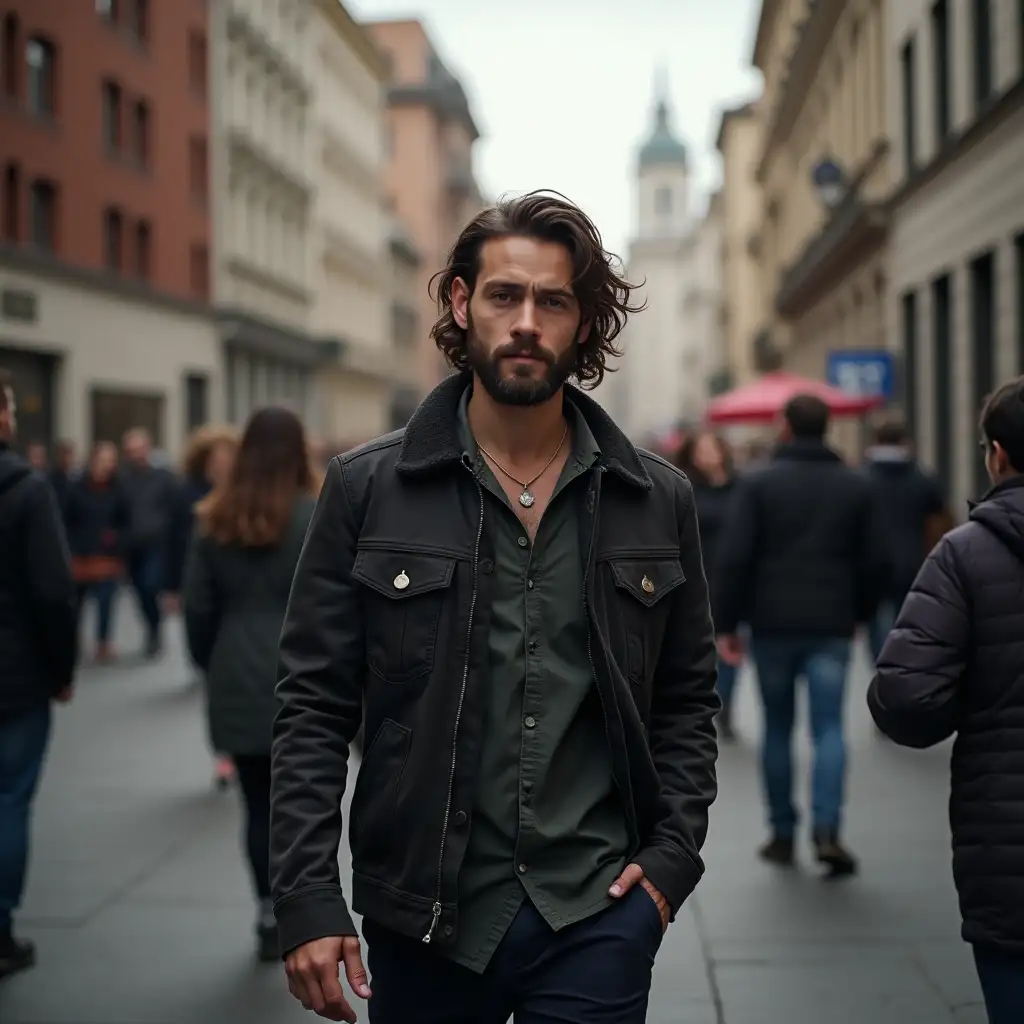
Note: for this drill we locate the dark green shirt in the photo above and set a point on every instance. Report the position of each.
(547, 822)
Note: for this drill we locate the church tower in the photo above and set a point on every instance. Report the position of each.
(663, 176)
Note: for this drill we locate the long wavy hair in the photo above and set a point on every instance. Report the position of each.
(271, 471)
(602, 292)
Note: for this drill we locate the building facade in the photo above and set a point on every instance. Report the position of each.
(660, 379)
(406, 334)
(704, 303)
(824, 122)
(957, 246)
(351, 228)
(263, 170)
(431, 180)
(738, 144)
(106, 231)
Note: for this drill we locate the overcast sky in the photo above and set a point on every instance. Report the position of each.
(561, 89)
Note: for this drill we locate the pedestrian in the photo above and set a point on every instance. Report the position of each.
(37, 658)
(152, 497)
(97, 516)
(517, 595)
(64, 472)
(954, 663)
(707, 460)
(803, 561)
(914, 510)
(240, 566)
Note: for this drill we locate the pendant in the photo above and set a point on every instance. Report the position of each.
(526, 499)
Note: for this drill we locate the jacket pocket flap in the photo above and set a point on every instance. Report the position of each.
(401, 574)
(647, 579)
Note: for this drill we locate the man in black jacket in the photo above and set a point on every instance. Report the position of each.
(803, 560)
(954, 663)
(37, 658)
(517, 596)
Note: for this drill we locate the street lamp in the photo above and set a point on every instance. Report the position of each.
(830, 182)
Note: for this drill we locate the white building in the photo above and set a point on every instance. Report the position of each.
(956, 248)
(704, 303)
(350, 227)
(263, 169)
(660, 377)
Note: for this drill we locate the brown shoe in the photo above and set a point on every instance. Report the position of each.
(834, 856)
(778, 851)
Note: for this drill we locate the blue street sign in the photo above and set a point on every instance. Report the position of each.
(864, 374)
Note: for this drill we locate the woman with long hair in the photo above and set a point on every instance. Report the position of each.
(239, 574)
(707, 460)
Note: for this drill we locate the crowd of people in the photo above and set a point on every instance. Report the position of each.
(538, 629)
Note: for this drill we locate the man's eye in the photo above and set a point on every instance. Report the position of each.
(500, 296)
(556, 302)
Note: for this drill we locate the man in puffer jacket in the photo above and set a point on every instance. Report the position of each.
(954, 663)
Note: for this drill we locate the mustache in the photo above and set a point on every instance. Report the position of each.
(528, 349)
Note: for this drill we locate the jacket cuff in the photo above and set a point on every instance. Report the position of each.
(312, 914)
(671, 872)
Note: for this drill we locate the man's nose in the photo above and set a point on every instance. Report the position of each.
(526, 321)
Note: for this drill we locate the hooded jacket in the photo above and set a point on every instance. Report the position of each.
(954, 663)
(37, 594)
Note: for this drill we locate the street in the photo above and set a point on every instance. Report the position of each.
(141, 910)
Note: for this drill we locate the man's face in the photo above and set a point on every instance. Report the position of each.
(522, 321)
(36, 455)
(8, 416)
(136, 449)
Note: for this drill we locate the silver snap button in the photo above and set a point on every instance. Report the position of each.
(648, 584)
(530, 722)
(522, 869)
(401, 581)
(522, 542)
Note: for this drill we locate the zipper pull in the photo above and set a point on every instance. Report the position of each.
(433, 923)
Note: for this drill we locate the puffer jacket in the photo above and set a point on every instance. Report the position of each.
(954, 663)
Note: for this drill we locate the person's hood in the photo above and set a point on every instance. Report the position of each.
(1001, 512)
(13, 468)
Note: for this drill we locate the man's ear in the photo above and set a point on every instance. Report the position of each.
(1002, 459)
(460, 302)
(584, 332)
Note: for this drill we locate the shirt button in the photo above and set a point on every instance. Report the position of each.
(529, 584)
(460, 817)
(522, 542)
(488, 566)
(522, 869)
(530, 722)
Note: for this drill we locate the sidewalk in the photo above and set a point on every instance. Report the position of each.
(142, 913)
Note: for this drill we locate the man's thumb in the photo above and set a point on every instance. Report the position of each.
(354, 969)
(629, 877)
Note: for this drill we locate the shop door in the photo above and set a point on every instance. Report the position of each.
(33, 376)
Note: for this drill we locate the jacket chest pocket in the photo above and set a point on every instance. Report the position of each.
(644, 586)
(405, 594)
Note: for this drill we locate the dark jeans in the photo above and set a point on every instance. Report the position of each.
(595, 972)
(1002, 982)
(881, 626)
(822, 661)
(726, 684)
(104, 594)
(253, 771)
(23, 739)
(146, 570)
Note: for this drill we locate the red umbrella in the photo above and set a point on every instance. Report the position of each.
(764, 399)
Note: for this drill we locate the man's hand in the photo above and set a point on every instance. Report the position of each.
(730, 649)
(313, 976)
(172, 603)
(64, 696)
(632, 874)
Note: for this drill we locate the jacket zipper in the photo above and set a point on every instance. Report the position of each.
(436, 909)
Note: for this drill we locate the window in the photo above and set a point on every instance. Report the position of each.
(11, 202)
(982, 40)
(943, 69)
(111, 116)
(143, 249)
(41, 57)
(140, 20)
(663, 201)
(113, 239)
(197, 401)
(198, 168)
(114, 412)
(197, 62)
(9, 56)
(910, 361)
(942, 395)
(983, 342)
(42, 214)
(199, 266)
(908, 79)
(1018, 246)
(140, 140)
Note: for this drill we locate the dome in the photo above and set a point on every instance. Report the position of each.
(662, 147)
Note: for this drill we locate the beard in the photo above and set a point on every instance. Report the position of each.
(519, 388)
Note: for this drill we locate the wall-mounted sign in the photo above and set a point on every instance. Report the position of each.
(864, 374)
(16, 304)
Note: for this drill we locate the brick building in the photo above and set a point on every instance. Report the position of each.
(104, 222)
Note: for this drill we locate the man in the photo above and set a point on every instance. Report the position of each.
(517, 595)
(152, 497)
(37, 658)
(803, 560)
(954, 663)
(915, 516)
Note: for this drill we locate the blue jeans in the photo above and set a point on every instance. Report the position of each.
(780, 661)
(881, 626)
(146, 569)
(104, 593)
(1002, 982)
(23, 739)
(596, 971)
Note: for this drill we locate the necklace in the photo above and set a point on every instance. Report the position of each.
(527, 498)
